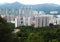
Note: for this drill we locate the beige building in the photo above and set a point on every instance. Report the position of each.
(42, 20)
(26, 21)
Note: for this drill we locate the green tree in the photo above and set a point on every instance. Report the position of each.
(6, 34)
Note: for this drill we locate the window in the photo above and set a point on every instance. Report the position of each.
(21, 22)
(21, 18)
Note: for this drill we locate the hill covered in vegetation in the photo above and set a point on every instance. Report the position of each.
(47, 7)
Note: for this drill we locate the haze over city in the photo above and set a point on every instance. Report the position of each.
(31, 2)
(29, 20)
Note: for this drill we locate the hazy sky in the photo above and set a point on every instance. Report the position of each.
(31, 1)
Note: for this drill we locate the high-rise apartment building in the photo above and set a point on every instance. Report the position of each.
(19, 21)
(42, 20)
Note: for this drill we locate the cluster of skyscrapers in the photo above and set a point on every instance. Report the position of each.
(28, 17)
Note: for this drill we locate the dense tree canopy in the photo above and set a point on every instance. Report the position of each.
(6, 34)
(39, 34)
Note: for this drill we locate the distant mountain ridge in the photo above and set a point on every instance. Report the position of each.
(47, 7)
